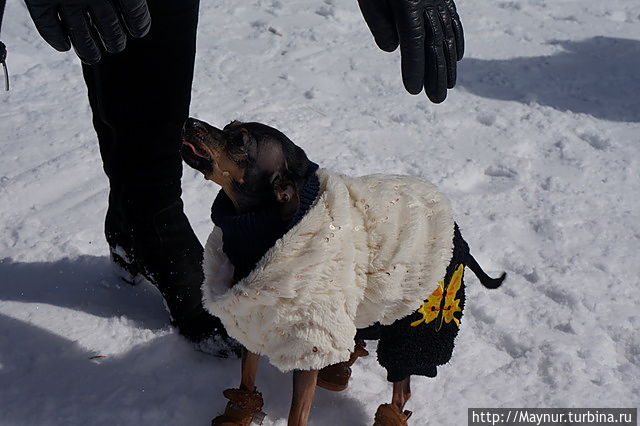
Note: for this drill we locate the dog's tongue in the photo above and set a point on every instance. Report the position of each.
(193, 148)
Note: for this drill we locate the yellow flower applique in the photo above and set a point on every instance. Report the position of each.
(431, 308)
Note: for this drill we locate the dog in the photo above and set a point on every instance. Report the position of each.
(304, 264)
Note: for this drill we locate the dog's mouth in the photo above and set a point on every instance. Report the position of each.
(196, 151)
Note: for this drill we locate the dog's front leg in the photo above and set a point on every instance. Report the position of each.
(245, 404)
(304, 387)
(249, 367)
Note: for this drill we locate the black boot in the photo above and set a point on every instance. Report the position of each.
(169, 255)
(119, 235)
(166, 252)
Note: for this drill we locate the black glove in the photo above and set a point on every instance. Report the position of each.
(86, 24)
(430, 36)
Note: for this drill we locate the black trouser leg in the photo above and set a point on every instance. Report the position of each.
(140, 100)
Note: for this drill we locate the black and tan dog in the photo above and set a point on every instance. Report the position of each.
(274, 199)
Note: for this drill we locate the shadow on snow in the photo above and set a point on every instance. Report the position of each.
(50, 379)
(599, 76)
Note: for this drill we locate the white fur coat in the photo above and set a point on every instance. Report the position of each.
(370, 249)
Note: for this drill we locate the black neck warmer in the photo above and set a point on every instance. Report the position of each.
(248, 236)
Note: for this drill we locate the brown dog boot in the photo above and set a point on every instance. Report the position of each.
(335, 377)
(243, 407)
(390, 415)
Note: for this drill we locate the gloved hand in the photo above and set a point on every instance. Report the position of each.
(86, 24)
(430, 36)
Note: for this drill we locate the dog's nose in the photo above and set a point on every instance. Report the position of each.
(192, 124)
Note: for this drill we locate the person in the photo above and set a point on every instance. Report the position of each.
(137, 62)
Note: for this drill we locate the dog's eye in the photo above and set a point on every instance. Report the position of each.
(239, 139)
(237, 148)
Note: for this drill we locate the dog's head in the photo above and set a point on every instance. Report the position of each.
(253, 163)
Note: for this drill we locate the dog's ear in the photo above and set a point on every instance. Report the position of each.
(284, 188)
(290, 178)
(285, 191)
(290, 181)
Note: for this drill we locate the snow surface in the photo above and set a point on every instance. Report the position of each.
(538, 148)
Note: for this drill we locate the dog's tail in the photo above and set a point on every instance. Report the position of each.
(485, 279)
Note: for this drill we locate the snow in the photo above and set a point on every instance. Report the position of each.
(538, 147)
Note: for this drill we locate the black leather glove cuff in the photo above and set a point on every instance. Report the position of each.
(90, 26)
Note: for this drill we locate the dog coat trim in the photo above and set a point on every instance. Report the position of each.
(370, 249)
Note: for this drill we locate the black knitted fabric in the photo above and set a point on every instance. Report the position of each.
(247, 237)
(404, 350)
